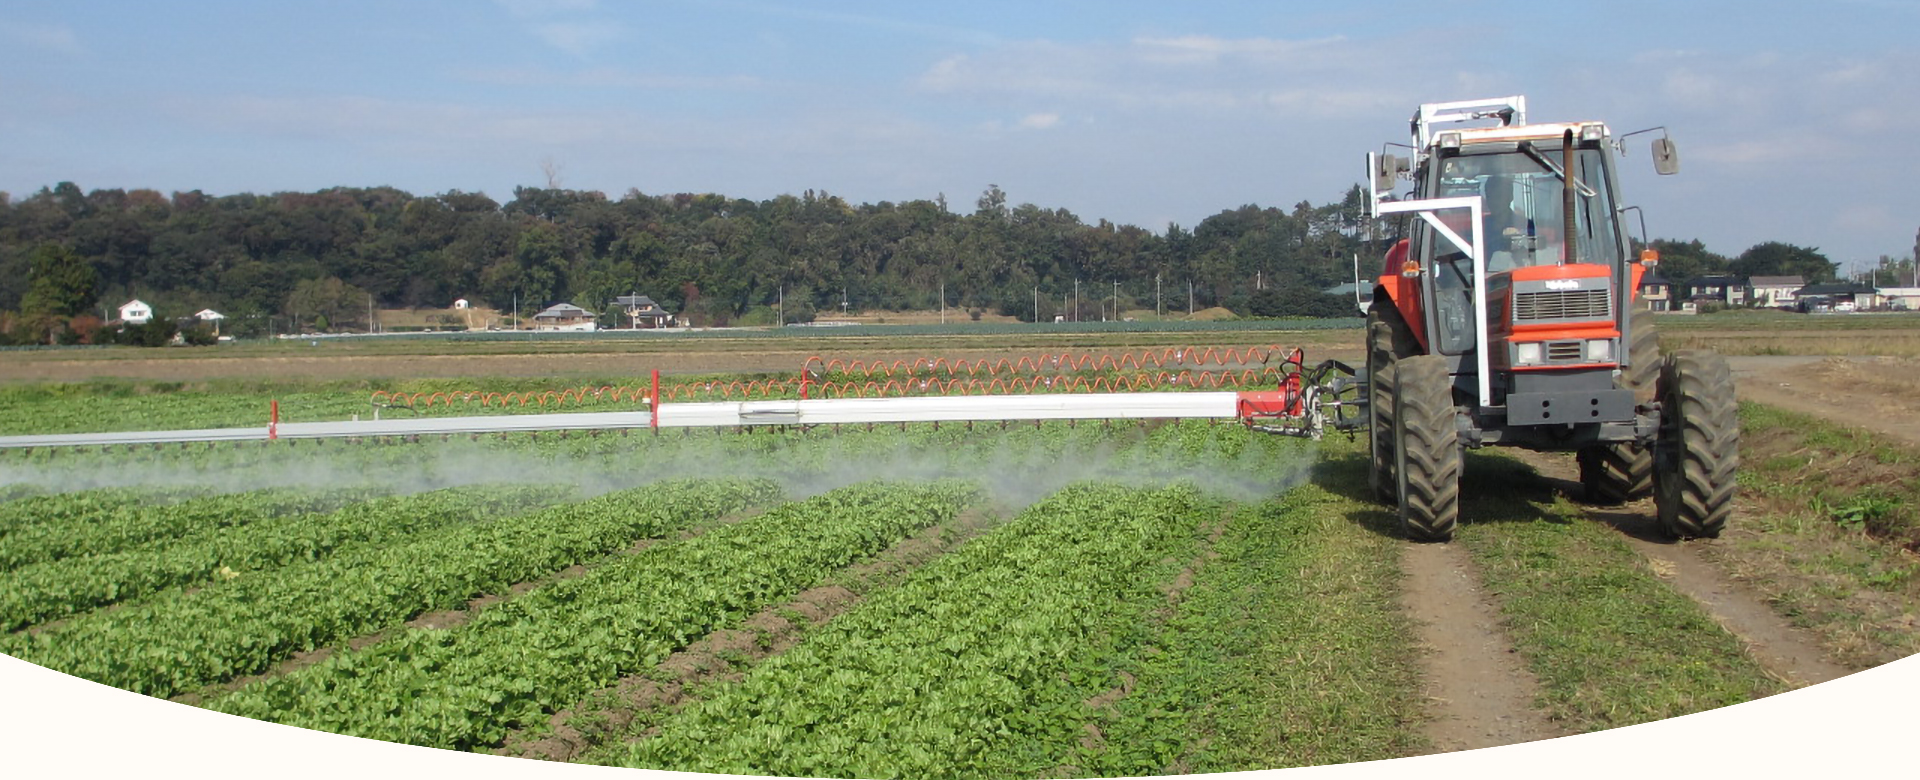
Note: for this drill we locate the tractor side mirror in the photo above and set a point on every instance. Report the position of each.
(1386, 170)
(1666, 158)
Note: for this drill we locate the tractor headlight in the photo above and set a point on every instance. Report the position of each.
(1592, 133)
(1526, 353)
(1600, 351)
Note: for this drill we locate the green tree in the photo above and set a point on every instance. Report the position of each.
(327, 302)
(1684, 261)
(1775, 258)
(61, 283)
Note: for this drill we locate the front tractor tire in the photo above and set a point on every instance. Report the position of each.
(1698, 449)
(1427, 458)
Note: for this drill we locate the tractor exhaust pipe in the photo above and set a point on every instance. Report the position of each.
(1568, 200)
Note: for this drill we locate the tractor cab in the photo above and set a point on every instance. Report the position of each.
(1505, 317)
(1521, 267)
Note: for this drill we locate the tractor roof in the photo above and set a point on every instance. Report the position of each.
(1549, 130)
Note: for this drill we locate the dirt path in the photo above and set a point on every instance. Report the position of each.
(1787, 652)
(1880, 394)
(1482, 692)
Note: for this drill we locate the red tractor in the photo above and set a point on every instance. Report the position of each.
(1508, 317)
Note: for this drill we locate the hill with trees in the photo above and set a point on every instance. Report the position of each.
(293, 259)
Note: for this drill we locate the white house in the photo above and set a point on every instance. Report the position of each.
(1775, 291)
(136, 312)
(640, 308)
(210, 317)
(1900, 298)
(462, 304)
(563, 316)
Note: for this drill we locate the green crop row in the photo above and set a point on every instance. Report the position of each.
(27, 505)
(180, 640)
(67, 586)
(522, 659)
(981, 664)
(95, 530)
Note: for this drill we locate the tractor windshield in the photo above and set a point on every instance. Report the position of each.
(1521, 189)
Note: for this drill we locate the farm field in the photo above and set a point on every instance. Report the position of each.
(918, 601)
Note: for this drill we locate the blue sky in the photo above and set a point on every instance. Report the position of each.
(1790, 116)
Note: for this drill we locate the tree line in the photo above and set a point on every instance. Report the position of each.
(293, 260)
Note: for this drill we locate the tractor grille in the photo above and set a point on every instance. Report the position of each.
(1564, 351)
(1561, 305)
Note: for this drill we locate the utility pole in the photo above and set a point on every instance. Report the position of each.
(943, 301)
(783, 306)
(1159, 312)
(1116, 300)
(1189, 297)
(1036, 303)
(1076, 300)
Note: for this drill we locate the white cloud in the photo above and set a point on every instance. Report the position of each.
(609, 78)
(1040, 121)
(579, 38)
(48, 37)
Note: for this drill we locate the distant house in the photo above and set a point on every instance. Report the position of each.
(462, 303)
(1837, 296)
(1656, 291)
(136, 312)
(642, 312)
(1722, 290)
(1900, 298)
(563, 316)
(210, 317)
(1775, 291)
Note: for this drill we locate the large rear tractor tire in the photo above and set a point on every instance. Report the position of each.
(1388, 340)
(1622, 472)
(1427, 459)
(1698, 449)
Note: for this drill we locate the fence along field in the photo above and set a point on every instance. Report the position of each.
(1145, 600)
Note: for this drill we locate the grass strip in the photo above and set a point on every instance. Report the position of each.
(1611, 644)
(1829, 532)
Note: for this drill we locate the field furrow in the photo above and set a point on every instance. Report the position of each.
(980, 664)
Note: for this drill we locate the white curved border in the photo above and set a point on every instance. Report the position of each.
(56, 725)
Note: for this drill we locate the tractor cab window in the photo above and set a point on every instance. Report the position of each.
(1521, 190)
